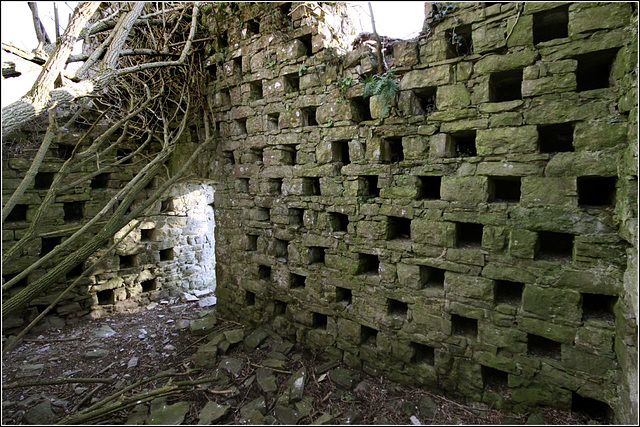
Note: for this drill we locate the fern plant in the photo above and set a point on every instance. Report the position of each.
(384, 86)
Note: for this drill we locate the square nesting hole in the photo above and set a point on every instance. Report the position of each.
(147, 234)
(252, 242)
(595, 409)
(464, 326)
(340, 152)
(106, 297)
(281, 248)
(236, 66)
(431, 277)
(291, 83)
(275, 186)
(429, 187)
(101, 181)
(290, 155)
(166, 254)
(64, 152)
(597, 191)
(507, 292)
(241, 126)
(279, 308)
(494, 379)
(368, 264)
(263, 214)
(122, 154)
(468, 235)
(551, 24)
(316, 254)
(149, 285)
(397, 308)
(392, 150)
(459, 41)
(272, 121)
(75, 272)
(543, 347)
(255, 90)
(505, 86)
(264, 272)
(296, 216)
(464, 143)
(213, 70)
(598, 306)
(18, 213)
(253, 26)
(555, 138)
(319, 320)
(297, 281)
(228, 157)
(242, 185)
(43, 180)
(504, 189)
(368, 336)
(344, 295)
(338, 222)
(554, 246)
(595, 70)
(309, 116)
(426, 99)
(166, 205)
(249, 298)
(307, 42)
(362, 107)
(398, 228)
(49, 244)
(73, 211)
(422, 354)
(311, 186)
(371, 185)
(128, 261)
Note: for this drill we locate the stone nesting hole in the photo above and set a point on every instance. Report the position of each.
(48, 244)
(504, 189)
(344, 295)
(307, 42)
(73, 211)
(551, 24)
(64, 152)
(316, 255)
(252, 242)
(253, 27)
(309, 117)
(128, 261)
(106, 297)
(494, 379)
(311, 186)
(256, 90)
(75, 272)
(257, 155)
(543, 347)
(279, 308)
(249, 298)
(319, 321)
(101, 181)
(291, 83)
(223, 40)
(264, 272)
(147, 234)
(505, 86)
(422, 353)
(167, 254)
(122, 153)
(556, 138)
(468, 235)
(166, 205)
(291, 154)
(264, 214)
(213, 71)
(392, 150)
(368, 264)
(368, 336)
(429, 187)
(275, 186)
(464, 326)
(555, 246)
(340, 152)
(459, 41)
(228, 157)
(597, 191)
(339, 222)
(281, 248)
(297, 281)
(243, 185)
(296, 216)
(371, 185)
(596, 409)
(18, 213)
(398, 228)
(426, 98)
(507, 292)
(397, 308)
(241, 126)
(431, 277)
(362, 108)
(272, 121)
(43, 180)
(237, 66)
(597, 306)
(595, 70)
(149, 285)
(464, 143)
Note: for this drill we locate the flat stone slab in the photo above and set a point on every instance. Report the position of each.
(203, 326)
(286, 415)
(41, 414)
(33, 370)
(344, 378)
(256, 405)
(234, 336)
(104, 331)
(212, 413)
(96, 353)
(231, 365)
(296, 390)
(138, 416)
(169, 414)
(266, 380)
(255, 338)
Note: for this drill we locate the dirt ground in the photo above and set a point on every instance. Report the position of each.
(141, 344)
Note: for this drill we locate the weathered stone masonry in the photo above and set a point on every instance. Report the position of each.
(481, 240)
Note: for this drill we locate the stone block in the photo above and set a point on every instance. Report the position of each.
(510, 61)
(597, 135)
(599, 17)
(522, 139)
(552, 303)
(415, 147)
(453, 96)
(551, 84)
(477, 288)
(434, 233)
(428, 77)
(489, 37)
(405, 53)
(522, 243)
(441, 145)
(467, 189)
(537, 191)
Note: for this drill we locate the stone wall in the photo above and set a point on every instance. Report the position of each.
(481, 240)
(172, 250)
